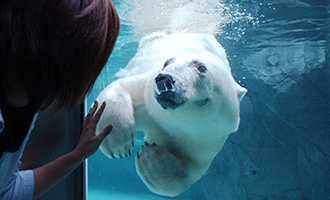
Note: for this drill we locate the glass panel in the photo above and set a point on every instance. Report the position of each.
(279, 51)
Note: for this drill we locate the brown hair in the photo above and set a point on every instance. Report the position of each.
(57, 47)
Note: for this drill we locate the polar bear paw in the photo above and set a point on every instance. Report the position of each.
(119, 143)
(159, 169)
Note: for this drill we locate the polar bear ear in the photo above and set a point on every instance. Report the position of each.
(241, 92)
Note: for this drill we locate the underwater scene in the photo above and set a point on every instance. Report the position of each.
(279, 51)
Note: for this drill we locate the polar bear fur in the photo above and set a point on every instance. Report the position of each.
(186, 118)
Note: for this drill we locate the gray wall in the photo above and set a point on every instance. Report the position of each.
(55, 134)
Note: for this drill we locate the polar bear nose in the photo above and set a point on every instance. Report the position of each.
(164, 83)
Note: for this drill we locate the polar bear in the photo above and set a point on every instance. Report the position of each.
(179, 90)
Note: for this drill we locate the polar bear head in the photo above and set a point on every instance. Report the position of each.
(196, 88)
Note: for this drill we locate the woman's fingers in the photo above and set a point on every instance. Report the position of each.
(92, 119)
(106, 131)
(99, 112)
(93, 109)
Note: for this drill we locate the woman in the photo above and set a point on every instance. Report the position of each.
(51, 52)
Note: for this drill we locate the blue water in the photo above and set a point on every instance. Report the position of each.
(279, 51)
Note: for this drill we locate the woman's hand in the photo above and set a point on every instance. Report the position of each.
(89, 142)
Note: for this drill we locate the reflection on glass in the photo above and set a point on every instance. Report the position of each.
(279, 51)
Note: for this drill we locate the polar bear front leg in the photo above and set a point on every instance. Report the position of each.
(163, 172)
(120, 113)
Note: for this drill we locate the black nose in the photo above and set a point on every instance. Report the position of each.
(165, 83)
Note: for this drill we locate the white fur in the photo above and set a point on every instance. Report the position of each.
(182, 142)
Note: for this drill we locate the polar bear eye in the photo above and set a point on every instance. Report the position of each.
(201, 68)
(169, 61)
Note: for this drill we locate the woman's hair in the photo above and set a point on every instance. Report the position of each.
(56, 47)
